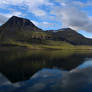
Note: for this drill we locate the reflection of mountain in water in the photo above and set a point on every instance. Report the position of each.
(20, 65)
(53, 80)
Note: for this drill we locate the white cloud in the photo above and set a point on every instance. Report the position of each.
(16, 13)
(5, 17)
(32, 5)
(82, 4)
(35, 22)
(75, 2)
(44, 24)
(39, 12)
(73, 16)
(69, 12)
(11, 2)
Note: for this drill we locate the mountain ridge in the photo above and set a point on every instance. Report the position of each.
(21, 29)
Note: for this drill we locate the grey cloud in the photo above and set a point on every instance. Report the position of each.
(73, 17)
(3, 19)
(76, 2)
(82, 4)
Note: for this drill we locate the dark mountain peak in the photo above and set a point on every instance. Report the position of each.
(68, 32)
(63, 29)
(67, 29)
(13, 17)
(18, 28)
(17, 18)
(18, 21)
(72, 36)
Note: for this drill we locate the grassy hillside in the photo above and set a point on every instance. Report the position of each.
(21, 32)
(46, 44)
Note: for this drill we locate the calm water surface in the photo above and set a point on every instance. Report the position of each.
(45, 71)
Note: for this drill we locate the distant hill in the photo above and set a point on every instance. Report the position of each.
(71, 36)
(23, 30)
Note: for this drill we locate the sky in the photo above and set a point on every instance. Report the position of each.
(51, 14)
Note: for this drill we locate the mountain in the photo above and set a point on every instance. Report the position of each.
(23, 30)
(71, 36)
(22, 24)
(17, 28)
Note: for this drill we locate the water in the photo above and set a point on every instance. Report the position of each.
(45, 71)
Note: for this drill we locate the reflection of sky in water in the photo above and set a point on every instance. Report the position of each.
(45, 73)
(54, 80)
(86, 63)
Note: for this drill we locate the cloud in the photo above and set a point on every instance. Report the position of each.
(5, 17)
(11, 2)
(69, 13)
(33, 6)
(73, 16)
(16, 13)
(82, 4)
(39, 12)
(2, 19)
(44, 24)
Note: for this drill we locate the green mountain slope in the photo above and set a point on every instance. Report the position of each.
(71, 36)
(22, 32)
(17, 28)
